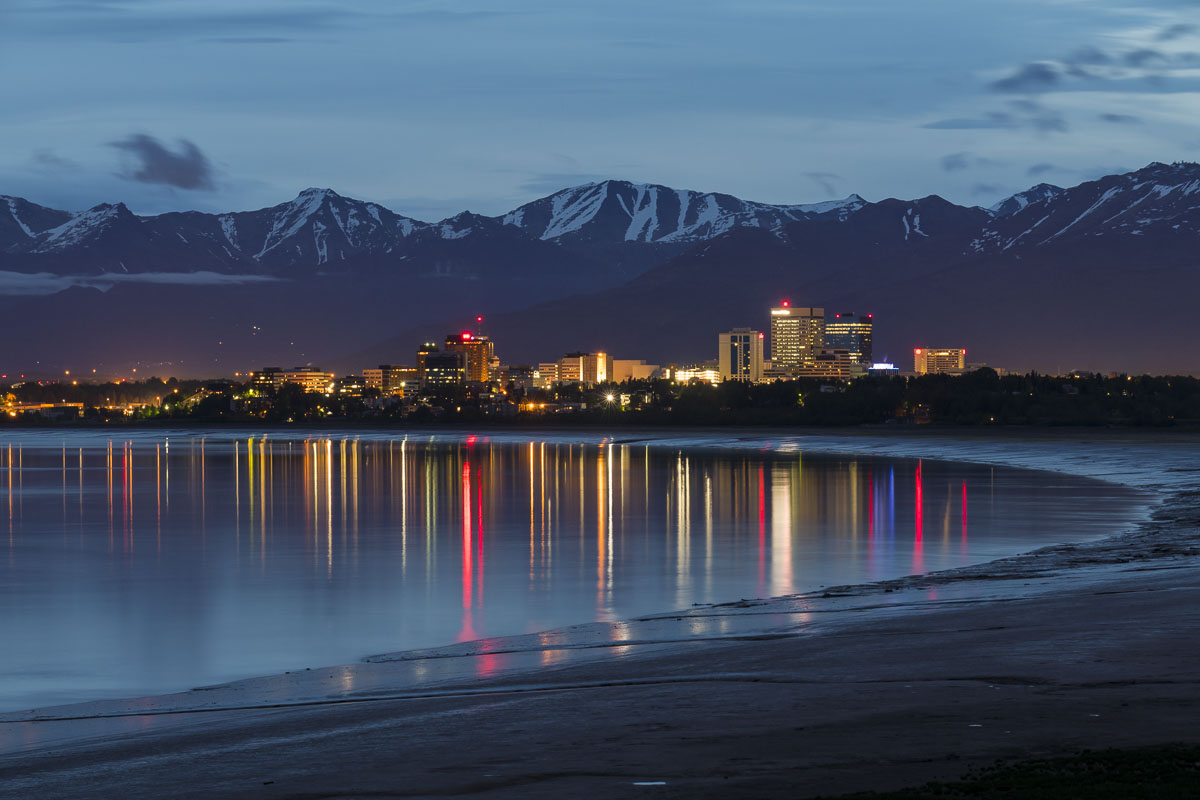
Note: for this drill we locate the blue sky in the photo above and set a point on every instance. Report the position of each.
(431, 107)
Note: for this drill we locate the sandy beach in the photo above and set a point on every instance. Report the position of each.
(1078, 645)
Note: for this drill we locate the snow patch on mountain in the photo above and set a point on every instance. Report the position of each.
(79, 227)
(294, 217)
(12, 209)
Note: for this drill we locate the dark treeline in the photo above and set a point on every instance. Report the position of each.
(978, 398)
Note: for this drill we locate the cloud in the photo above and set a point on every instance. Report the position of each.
(1120, 119)
(956, 161)
(549, 182)
(825, 180)
(1039, 76)
(1143, 56)
(1040, 169)
(1176, 31)
(986, 188)
(43, 283)
(1039, 117)
(46, 160)
(152, 162)
(1089, 56)
(993, 120)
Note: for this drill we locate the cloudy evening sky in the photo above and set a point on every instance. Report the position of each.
(432, 107)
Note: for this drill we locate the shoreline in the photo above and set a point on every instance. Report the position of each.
(1048, 575)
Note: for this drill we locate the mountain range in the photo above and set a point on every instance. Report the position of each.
(1101, 275)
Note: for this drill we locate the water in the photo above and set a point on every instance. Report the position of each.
(155, 564)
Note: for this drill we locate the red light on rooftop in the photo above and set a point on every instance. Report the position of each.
(466, 336)
(762, 336)
(479, 319)
(917, 351)
(786, 304)
(964, 352)
(870, 316)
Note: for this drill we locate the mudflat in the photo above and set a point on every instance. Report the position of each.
(867, 687)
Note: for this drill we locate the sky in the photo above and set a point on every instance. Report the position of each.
(430, 107)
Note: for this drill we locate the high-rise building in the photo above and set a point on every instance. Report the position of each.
(422, 351)
(740, 355)
(445, 368)
(797, 335)
(846, 331)
(477, 354)
(938, 360)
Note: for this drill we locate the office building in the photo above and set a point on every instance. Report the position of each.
(829, 363)
(310, 379)
(445, 368)
(520, 376)
(697, 372)
(939, 360)
(390, 379)
(797, 335)
(422, 352)
(546, 375)
(586, 368)
(267, 379)
(740, 355)
(628, 369)
(477, 355)
(847, 331)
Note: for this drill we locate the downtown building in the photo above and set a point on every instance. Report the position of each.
(477, 352)
(740, 355)
(390, 379)
(939, 360)
(587, 369)
(310, 379)
(852, 333)
(797, 335)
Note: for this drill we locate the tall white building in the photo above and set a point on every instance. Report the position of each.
(797, 335)
(740, 355)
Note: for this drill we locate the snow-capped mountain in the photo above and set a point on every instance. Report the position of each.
(1018, 201)
(637, 212)
(1159, 201)
(322, 230)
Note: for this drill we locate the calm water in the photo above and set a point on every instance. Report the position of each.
(162, 563)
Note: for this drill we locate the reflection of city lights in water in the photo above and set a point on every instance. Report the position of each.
(333, 520)
(918, 562)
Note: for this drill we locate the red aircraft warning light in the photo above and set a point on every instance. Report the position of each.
(466, 336)
(786, 304)
(917, 351)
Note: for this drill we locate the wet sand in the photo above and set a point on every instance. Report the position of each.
(877, 686)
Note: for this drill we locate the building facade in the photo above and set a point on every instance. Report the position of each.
(740, 355)
(445, 368)
(938, 360)
(853, 333)
(477, 355)
(629, 369)
(797, 335)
